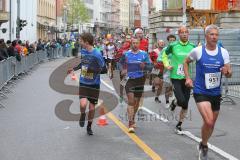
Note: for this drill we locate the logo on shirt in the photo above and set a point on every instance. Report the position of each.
(218, 62)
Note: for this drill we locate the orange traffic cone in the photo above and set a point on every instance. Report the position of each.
(102, 121)
(74, 77)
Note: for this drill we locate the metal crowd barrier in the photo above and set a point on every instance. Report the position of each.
(10, 67)
(7, 70)
(231, 86)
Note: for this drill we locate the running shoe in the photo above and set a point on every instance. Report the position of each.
(153, 89)
(131, 130)
(157, 100)
(178, 130)
(89, 130)
(167, 105)
(203, 152)
(121, 99)
(82, 119)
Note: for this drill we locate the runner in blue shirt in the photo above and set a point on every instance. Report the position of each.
(91, 65)
(137, 62)
(212, 61)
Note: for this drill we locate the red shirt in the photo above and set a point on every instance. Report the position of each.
(153, 56)
(125, 47)
(144, 45)
(19, 49)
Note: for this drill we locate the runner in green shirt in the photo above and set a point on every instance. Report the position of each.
(179, 50)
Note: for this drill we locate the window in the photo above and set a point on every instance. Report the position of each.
(164, 4)
(2, 5)
(90, 13)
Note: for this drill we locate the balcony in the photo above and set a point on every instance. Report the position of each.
(4, 17)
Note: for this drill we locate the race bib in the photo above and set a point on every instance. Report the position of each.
(212, 80)
(85, 74)
(155, 71)
(180, 70)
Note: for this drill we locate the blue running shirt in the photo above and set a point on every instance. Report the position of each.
(91, 65)
(208, 79)
(133, 61)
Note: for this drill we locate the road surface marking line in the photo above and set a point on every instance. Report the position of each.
(186, 133)
(135, 138)
(197, 139)
(110, 87)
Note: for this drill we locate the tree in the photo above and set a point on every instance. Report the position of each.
(77, 12)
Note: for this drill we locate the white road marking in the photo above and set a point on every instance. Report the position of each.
(186, 133)
(110, 87)
(67, 127)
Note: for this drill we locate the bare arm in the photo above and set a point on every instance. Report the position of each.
(188, 82)
(186, 67)
(227, 70)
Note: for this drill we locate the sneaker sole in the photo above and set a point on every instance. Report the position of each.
(90, 134)
(131, 130)
(179, 132)
(199, 153)
(167, 106)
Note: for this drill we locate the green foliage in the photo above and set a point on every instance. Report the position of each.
(77, 12)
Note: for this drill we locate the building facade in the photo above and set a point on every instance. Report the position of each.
(46, 19)
(61, 16)
(144, 14)
(115, 16)
(25, 10)
(4, 15)
(124, 14)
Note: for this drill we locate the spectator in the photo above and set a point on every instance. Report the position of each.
(3, 50)
(40, 45)
(31, 48)
(24, 49)
(9, 43)
(19, 47)
(11, 49)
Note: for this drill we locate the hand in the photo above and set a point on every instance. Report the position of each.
(69, 71)
(142, 65)
(189, 82)
(224, 70)
(170, 68)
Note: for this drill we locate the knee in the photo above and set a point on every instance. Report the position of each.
(91, 107)
(131, 102)
(209, 123)
(83, 102)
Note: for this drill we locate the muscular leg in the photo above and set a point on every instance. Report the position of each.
(209, 119)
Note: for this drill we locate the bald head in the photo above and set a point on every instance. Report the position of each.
(138, 33)
(161, 43)
(183, 33)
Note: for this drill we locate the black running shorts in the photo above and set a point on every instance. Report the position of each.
(135, 86)
(91, 92)
(214, 100)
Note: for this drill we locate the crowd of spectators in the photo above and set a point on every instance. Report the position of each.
(18, 48)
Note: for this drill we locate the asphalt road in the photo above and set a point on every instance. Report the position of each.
(31, 130)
